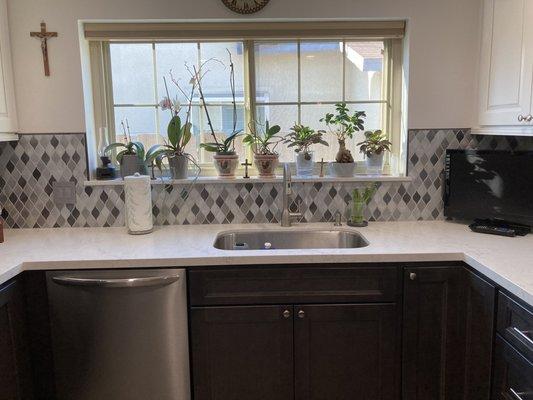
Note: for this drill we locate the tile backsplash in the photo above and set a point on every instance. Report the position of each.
(29, 168)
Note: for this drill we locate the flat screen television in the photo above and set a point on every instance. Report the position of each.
(489, 184)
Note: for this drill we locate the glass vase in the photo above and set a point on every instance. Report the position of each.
(357, 213)
(305, 163)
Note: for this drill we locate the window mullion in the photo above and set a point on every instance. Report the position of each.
(249, 89)
(299, 45)
(154, 65)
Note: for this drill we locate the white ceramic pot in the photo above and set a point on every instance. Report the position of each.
(226, 164)
(266, 164)
(341, 170)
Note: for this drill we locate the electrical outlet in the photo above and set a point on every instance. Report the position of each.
(64, 193)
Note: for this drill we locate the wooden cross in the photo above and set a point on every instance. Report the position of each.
(44, 36)
(321, 168)
(246, 164)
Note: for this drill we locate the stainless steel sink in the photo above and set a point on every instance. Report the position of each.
(271, 239)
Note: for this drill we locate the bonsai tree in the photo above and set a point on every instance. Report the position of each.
(263, 142)
(375, 143)
(343, 125)
(302, 138)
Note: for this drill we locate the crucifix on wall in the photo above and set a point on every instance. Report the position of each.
(44, 36)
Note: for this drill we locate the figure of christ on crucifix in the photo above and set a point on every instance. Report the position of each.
(44, 36)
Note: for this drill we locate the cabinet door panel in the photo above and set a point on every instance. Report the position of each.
(242, 353)
(15, 368)
(433, 333)
(344, 352)
(506, 62)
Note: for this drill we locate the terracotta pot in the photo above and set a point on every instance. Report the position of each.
(226, 164)
(130, 164)
(341, 170)
(179, 167)
(266, 164)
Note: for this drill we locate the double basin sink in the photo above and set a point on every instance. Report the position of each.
(271, 239)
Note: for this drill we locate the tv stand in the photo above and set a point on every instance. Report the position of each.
(499, 227)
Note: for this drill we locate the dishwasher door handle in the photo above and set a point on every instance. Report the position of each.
(116, 283)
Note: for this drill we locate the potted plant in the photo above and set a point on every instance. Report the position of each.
(131, 155)
(343, 125)
(263, 144)
(360, 199)
(225, 158)
(179, 135)
(302, 138)
(374, 147)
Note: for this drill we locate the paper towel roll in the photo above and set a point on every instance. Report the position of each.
(138, 193)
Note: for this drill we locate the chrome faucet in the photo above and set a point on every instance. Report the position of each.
(286, 215)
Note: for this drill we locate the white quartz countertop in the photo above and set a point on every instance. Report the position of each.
(507, 261)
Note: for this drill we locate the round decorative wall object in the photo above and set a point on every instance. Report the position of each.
(245, 6)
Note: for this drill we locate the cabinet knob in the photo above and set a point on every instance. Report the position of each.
(412, 276)
(286, 314)
(529, 118)
(521, 118)
(301, 314)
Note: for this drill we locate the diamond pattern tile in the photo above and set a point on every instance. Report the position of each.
(29, 167)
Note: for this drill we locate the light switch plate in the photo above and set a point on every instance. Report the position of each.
(64, 193)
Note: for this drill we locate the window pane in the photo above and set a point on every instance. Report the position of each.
(285, 117)
(311, 115)
(321, 74)
(216, 83)
(364, 70)
(142, 124)
(132, 73)
(276, 71)
(173, 57)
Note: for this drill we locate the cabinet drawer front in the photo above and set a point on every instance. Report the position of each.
(292, 285)
(513, 374)
(515, 324)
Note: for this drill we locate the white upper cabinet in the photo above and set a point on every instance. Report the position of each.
(506, 67)
(8, 114)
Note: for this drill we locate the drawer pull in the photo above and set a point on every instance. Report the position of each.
(515, 394)
(522, 335)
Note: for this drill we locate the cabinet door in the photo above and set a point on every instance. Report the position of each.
(346, 352)
(15, 373)
(8, 116)
(506, 66)
(242, 353)
(433, 333)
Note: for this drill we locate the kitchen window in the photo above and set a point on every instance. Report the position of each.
(284, 81)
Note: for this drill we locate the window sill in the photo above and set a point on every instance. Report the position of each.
(295, 179)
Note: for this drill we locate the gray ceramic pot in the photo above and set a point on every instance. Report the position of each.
(179, 167)
(341, 170)
(130, 164)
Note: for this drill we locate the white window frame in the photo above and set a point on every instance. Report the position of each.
(392, 87)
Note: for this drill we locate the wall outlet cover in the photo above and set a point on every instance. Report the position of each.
(64, 193)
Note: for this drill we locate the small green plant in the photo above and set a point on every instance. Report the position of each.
(127, 147)
(364, 195)
(343, 124)
(375, 143)
(263, 141)
(303, 137)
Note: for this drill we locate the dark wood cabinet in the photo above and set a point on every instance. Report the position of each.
(447, 334)
(242, 353)
(296, 351)
(15, 367)
(346, 351)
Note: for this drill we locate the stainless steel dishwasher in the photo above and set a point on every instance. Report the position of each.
(120, 334)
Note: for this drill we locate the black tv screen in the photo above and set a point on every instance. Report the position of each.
(489, 184)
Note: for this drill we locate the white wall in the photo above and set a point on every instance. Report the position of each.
(443, 51)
